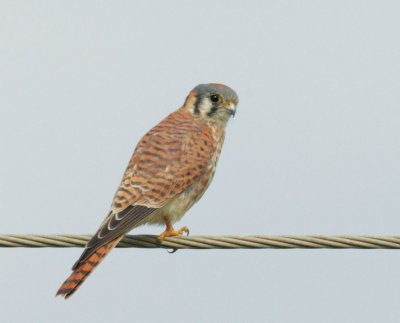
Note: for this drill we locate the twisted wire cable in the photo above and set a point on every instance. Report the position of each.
(210, 242)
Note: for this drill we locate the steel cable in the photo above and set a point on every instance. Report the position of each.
(209, 242)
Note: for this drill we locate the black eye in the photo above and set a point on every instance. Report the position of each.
(215, 98)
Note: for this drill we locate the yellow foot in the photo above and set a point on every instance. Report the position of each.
(170, 232)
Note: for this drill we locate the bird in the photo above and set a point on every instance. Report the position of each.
(171, 168)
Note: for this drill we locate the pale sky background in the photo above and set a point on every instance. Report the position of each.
(313, 149)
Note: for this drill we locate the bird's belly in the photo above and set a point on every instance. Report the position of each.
(177, 207)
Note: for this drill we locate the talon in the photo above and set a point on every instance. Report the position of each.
(184, 229)
(187, 232)
(173, 251)
(170, 232)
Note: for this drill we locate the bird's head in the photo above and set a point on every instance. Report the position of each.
(212, 102)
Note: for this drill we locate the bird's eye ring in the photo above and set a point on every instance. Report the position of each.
(215, 98)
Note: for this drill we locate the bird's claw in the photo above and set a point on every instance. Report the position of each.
(170, 232)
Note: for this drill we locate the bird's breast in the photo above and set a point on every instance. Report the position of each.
(178, 206)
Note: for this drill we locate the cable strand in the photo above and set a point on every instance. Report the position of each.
(209, 242)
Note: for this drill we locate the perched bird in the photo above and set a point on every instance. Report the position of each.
(170, 169)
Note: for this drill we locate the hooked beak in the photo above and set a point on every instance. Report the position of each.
(231, 109)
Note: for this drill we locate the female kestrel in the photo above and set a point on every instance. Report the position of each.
(170, 169)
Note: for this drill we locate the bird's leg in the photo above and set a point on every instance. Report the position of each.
(170, 232)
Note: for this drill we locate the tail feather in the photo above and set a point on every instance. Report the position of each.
(83, 270)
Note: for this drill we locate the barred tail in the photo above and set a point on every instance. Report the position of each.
(83, 270)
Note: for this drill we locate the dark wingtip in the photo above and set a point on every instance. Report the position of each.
(85, 254)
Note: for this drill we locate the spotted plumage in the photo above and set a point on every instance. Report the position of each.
(170, 169)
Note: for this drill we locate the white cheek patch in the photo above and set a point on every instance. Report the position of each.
(205, 107)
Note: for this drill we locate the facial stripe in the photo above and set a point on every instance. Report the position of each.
(197, 105)
(212, 111)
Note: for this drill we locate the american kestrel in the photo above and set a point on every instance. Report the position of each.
(170, 169)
